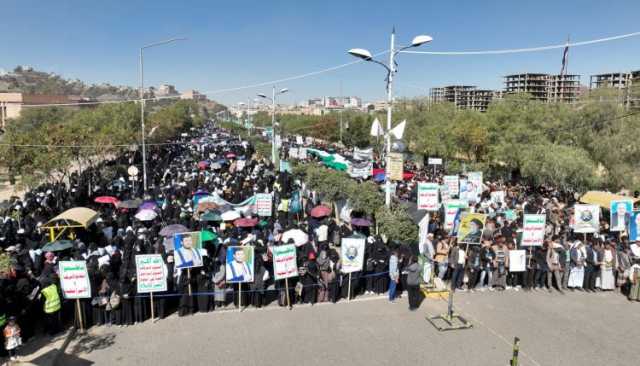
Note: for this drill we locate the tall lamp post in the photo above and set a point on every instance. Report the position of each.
(274, 149)
(141, 92)
(391, 71)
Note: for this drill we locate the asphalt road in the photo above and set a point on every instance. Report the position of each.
(572, 329)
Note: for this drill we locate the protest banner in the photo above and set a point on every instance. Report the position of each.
(423, 230)
(239, 264)
(586, 219)
(264, 204)
(634, 226)
(517, 260)
(293, 152)
(188, 249)
(299, 140)
(451, 209)
(510, 215)
(284, 261)
(395, 166)
(471, 226)
(533, 230)
(471, 188)
(620, 214)
(363, 154)
(75, 284)
(428, 196)
(360, 169)
(453, 185)
(74, 279)
(352, 254)
(151, 273)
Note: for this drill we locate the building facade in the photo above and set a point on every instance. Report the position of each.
(545, 87)
(465, 96)
(627, 85)
(12, 104)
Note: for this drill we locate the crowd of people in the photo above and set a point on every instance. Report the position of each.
(210, 161)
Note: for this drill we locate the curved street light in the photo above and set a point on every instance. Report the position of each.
(274, 149)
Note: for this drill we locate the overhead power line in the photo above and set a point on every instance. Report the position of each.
(522, 50)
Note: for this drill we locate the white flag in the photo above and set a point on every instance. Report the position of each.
(398, 131)
(376, 128)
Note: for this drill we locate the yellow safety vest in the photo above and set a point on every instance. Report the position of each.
(3, 320)
(51, 299)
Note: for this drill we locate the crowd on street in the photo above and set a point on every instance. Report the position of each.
(211, 162)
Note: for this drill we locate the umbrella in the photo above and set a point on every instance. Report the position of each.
(130, 203)
(246, 222)
(57, 246)
(360, 222)
(230, 215)
(210, 216)
(207, 235)
(146, 215)
(201, 192)
(148, 205)
(230, 155)
(203, 165)
(320, 211)
(299, 237)
(173, 229)
(106, 199)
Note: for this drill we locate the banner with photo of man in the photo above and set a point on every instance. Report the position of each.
(471, 226)
(533, 230)
(352, 254)
(586, 219)
(284, 261)
(453, 185)
(188, 249)
(620, 215)
(451, 209)
(634, 226)
(239, 264)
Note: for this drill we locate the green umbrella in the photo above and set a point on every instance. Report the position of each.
(207, 235)
(57, 246)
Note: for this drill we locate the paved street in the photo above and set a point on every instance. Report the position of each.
(555, 329)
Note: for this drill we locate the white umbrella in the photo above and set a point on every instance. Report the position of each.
(230, 215)
(299, 237)
(146, 215)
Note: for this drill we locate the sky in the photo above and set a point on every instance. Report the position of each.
(237, 43)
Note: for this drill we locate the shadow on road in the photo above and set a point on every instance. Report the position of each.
(87, 343)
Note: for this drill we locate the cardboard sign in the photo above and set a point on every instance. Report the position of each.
(284, 261)
(428, 196)
(74, 279)
(451, 209)
(299, 140)
(239, 266)
(352, 254)
(620, 214)
(293, 152)
(453, 184)
(533, 230)
(151, 273)
(188, 249)
(471, 227)
(586, 219)
(264, 204)
(395, 166)
(517, 260)
(434, 161)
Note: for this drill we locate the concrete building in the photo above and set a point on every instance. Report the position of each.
(627, 84)
(12, 104)
(166, 90)
(465, 96)
(193, 95)
(545, 87)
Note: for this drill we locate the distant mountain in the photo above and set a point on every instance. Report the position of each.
(27, 80)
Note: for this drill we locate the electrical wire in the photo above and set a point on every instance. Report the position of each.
(522, 50)
(337, 67)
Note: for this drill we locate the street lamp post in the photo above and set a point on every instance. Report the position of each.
(274, 148)
(141, 92)
(391, 70)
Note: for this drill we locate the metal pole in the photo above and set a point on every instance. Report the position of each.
(144, 150)
(387, 182)
(273, 126)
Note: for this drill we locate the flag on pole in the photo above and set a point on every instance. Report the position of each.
(565, 60)
(398, 131)
(376, 128)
